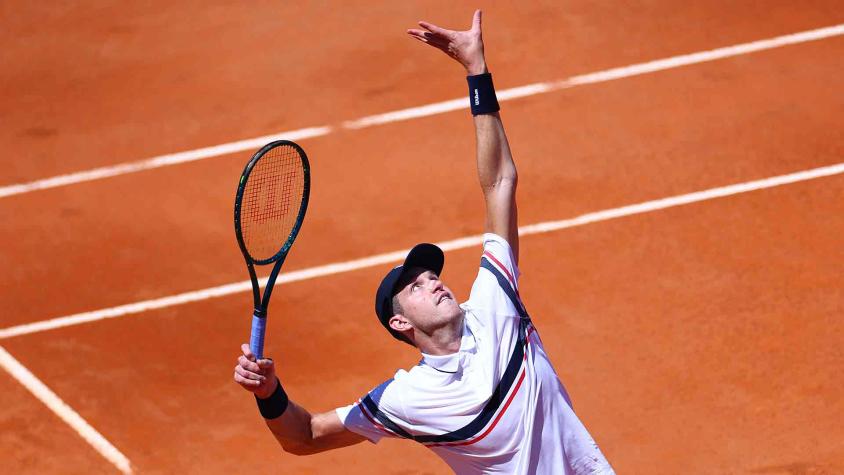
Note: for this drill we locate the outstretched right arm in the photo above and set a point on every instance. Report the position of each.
(297, 431)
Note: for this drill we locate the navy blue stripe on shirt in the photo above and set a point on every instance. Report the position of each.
(383, 419)
(498, 394)
(505, 286)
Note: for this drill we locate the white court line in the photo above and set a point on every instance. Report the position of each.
(396, 256)
(160, 161)
(423, 111)
(65, 412)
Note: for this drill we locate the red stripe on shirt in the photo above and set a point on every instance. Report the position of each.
(492, 426)
(503, 268)
(373, 421)
(503, 409)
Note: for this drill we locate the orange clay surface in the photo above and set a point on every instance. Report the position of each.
(705, 338)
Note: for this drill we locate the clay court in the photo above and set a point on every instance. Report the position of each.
(700, 331)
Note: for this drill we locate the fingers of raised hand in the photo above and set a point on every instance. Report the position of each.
(476, 20)
(417, 34)
(437, 30)
(429, 39)
(427, 36)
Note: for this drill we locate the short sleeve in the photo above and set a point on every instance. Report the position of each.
(499, 252)
(495, 290)
(354, 419)
(367, 417)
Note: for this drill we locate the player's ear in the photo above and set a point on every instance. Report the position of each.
(399, 323)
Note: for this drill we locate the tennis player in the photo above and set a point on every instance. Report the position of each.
(484, 397)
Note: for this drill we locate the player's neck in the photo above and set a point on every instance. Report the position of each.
(444, 340)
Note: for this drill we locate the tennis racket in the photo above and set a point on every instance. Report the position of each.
(269, 208)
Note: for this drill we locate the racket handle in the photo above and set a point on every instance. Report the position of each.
(256, 341)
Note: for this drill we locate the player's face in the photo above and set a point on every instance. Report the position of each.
(426, 301)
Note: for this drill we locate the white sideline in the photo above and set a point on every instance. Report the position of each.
(421, 111)
(65, 412)
(396, 256)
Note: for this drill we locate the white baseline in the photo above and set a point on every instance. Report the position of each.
(396, 256)
(421, 111)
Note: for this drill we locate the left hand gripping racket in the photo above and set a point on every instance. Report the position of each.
(269, 208)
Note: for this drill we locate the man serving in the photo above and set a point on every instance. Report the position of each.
(484, 397)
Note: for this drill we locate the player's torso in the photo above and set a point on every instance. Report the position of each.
(496, 394)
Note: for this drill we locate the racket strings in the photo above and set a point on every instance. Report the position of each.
(271, 201)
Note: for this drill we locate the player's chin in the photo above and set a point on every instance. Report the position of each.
(449, 307)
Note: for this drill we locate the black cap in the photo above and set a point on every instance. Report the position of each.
(427, 256)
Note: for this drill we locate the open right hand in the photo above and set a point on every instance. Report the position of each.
(253, 375)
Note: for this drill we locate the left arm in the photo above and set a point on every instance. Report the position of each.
(497, 174)
(496, 169)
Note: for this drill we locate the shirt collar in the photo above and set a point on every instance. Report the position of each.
(451, 363)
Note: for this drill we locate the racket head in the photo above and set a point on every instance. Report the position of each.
(271, 201)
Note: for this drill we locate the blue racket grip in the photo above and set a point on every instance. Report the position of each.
(256, 341)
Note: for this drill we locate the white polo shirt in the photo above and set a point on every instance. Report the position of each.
(495, 406)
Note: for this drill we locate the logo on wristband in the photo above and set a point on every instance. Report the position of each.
(481, 85)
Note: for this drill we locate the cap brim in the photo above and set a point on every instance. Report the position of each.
(427, 256)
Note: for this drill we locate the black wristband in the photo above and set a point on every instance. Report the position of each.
(482, 98)
(275, 405)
